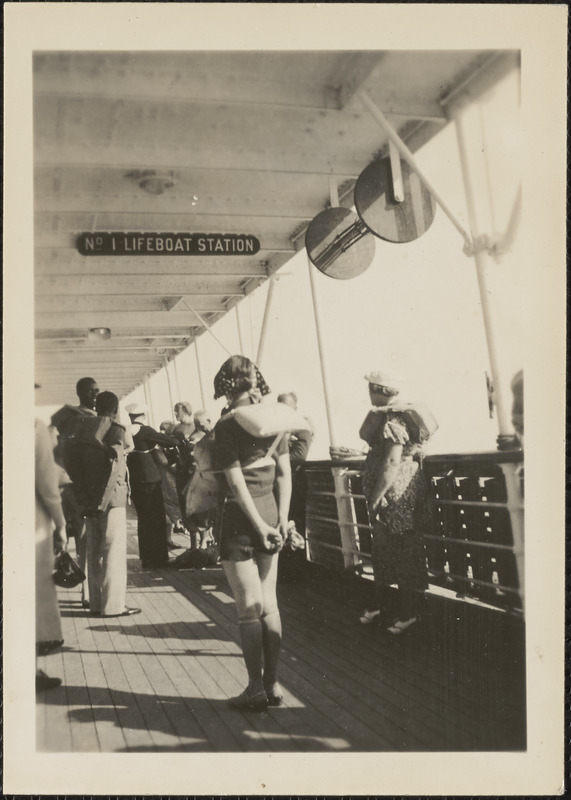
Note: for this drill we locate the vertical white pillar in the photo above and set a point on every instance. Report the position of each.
(149, 399)
(171, 401)
(483, 262)
(176, 378)
(265, 321)
(199, 370)
(239, 327)
(322, 355)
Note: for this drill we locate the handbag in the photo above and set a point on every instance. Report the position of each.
(203, 492)
(67, 573)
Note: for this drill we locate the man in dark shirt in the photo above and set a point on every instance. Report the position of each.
(65, 421)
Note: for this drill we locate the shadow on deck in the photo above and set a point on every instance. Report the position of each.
(159, 681)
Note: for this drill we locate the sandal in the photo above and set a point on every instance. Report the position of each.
(246, 702)
(400, 627)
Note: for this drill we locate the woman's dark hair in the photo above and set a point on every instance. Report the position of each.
(106, 403)
(236, 375)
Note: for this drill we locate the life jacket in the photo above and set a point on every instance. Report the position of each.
(419, 420)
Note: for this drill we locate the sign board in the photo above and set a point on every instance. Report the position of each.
(167, 244)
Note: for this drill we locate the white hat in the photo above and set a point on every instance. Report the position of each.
(136, 409)
(379, 378)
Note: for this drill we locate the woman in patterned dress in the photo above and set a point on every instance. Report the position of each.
(396, 493)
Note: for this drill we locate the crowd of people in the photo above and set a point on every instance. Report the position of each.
(89, 467)
(256, 452)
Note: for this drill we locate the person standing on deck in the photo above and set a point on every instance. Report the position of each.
(49, 513)
(254, 527)
(397, 499)
(65, 421)
(165, 459)
(146, 488)
(292, 563)
(97, 461)
(183, 432)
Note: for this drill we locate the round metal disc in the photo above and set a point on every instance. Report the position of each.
(382, 214)
(338, 243)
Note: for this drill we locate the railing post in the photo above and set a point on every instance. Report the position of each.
(346, 514)
(515, 506)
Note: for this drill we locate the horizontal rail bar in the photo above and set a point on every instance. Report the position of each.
(465, 579)
(469, 542)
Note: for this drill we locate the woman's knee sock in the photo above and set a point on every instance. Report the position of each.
(272, 639)
(251, 639)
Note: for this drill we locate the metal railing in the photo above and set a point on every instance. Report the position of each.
(475, 546)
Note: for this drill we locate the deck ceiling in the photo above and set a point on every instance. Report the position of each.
(251, 140)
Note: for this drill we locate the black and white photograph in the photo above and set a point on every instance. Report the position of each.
(275, 279)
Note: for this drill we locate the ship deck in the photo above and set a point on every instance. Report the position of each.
(159, 681)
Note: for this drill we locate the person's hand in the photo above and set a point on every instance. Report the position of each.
(376, 506)
(60, 539)
(283, 529)
(272, 539)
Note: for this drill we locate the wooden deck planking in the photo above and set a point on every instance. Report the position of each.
(198, 689)
(387, 674)
(159, 681)
(451, 670)
(127, 685)
(224, 682)
(314, 696)
(290, 717)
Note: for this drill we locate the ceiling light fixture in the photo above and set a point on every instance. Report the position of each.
(153, 181)
(98, 334)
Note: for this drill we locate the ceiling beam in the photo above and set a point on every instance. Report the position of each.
(271, 78)
(116, 320)
(139, 302)
(68, 261)
(354, 69)
(175, 285)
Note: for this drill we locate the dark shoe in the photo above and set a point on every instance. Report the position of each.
(44, 648)
(128, 612)
(44, 681)
(85, 604)
(173, 546)
(245, 702)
